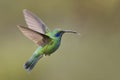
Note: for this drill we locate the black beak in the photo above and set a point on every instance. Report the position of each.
(70, 31)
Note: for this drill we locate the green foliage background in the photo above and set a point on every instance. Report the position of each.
(94, 55)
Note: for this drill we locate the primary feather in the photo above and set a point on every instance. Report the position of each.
(34, 22)
(38, 38)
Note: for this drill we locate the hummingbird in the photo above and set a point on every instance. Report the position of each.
(37, 31)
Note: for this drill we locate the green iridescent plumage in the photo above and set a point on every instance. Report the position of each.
(48, 41)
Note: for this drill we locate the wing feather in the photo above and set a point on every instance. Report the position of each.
(38, 38)
(34, 22)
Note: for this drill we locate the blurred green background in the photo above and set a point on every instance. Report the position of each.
(94, 55)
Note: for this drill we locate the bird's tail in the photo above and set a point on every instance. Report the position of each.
(29, 65)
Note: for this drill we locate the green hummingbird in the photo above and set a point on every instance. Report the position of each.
(47, 41)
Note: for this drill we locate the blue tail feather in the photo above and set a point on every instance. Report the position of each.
(29, 65)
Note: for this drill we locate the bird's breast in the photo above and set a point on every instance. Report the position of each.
(51, 47)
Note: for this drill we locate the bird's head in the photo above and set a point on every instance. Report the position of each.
(59, 32)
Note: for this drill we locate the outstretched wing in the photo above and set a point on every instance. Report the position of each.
(34, 22)
(39, 38)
